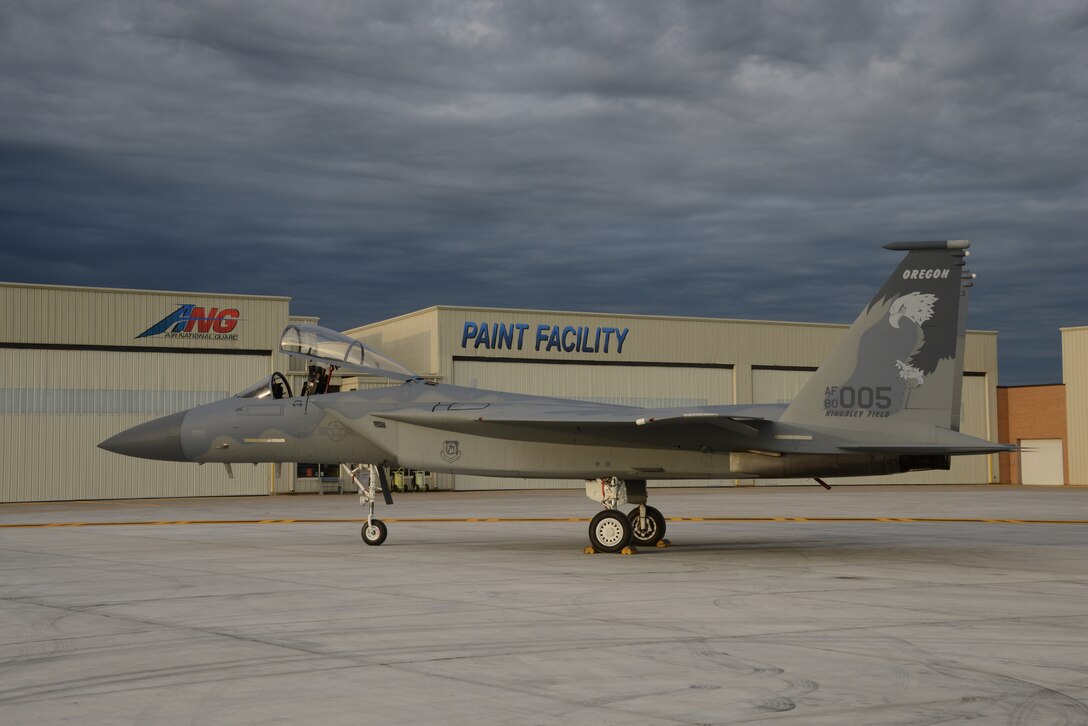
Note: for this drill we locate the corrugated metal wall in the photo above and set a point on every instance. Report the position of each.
(57, 405)
(73, 372)
(411, 340)
(777, 386)
(59, 315)
(658, 339)
(1075, 377)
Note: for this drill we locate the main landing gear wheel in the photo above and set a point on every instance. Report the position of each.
(375, 532)
(652, 532)
(609, 531)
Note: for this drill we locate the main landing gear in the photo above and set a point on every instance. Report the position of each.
(647, 525)
(374, 531)
(612, 531)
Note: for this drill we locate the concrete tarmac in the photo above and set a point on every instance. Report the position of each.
(848, 618)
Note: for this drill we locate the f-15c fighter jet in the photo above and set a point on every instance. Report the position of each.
(887, 400)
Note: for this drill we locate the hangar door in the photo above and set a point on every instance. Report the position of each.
(780, 386)
(57, 405)
(1042, 462)
(629, 385)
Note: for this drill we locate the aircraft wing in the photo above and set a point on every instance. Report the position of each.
(486, 418)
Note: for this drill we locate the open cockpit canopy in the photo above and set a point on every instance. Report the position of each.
(322, 345)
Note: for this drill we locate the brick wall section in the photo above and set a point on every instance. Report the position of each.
(1029, 412)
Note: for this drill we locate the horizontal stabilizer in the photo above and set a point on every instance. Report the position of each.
(983, 447)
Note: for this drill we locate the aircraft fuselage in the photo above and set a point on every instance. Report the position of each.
(349, 426)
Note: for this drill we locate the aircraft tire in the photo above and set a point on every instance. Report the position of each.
(609, 531)
(655, 521)
(376, 533)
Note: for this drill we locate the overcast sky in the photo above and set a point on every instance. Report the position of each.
(711, 159)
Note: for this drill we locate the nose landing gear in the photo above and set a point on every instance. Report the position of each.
(374, 531)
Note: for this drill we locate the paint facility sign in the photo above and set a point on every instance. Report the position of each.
(550, 337)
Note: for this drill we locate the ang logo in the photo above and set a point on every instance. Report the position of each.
(190, 321)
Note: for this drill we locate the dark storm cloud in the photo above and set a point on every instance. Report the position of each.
(718, 159)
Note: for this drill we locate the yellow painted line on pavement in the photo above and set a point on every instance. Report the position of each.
(490, 520)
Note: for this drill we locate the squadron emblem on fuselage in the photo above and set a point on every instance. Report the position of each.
(451, 451)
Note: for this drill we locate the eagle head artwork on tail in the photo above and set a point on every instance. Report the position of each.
(918, 308)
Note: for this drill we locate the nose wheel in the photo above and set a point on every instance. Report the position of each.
(609, 531)
(374, 532)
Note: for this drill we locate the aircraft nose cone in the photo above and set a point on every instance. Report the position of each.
(158, 439)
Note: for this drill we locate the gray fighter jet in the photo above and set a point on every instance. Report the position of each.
(887, 400)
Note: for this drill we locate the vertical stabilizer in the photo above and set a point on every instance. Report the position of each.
(902, 359)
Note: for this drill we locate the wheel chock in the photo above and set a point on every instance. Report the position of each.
(624, 551)
(663, 543)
